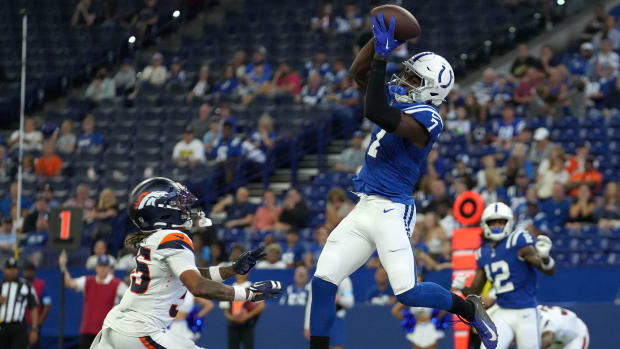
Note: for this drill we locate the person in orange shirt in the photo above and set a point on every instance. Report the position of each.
(49, 164)
(577, 163)
(590, 176)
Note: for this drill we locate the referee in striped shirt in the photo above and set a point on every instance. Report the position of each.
(16, 294)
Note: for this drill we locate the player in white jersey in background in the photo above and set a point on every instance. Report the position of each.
(344, 301)
(180, 325)
(561, 328)
(166, 270)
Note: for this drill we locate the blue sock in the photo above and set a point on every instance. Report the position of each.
(323, 308)
(426, 294)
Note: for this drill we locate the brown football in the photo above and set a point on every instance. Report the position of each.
(407, 27)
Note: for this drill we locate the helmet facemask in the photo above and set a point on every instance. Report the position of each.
(409, 82)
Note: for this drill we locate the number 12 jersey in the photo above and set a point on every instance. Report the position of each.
(156, 291)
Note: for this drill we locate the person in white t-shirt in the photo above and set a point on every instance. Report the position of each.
(156, 72)
(189, 149)
(274, 258)
(33, 138)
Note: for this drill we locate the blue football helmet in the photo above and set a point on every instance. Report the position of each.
(161, 203)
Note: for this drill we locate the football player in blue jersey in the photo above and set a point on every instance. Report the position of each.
(407, 125)
(509, 259)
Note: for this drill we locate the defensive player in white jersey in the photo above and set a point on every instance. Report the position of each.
(163, 209)
(407, 125)
(561, 328)
(509, 260)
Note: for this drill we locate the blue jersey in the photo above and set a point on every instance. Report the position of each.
(393, 164)
(514, 280)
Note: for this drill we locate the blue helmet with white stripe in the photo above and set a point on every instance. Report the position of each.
(427, 77)
(497, 211)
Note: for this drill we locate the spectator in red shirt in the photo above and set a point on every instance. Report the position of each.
(267, 215)
(523, 94)
(45, 301)
(101, 292)
(50, 164)
(590, 176)
(284, 81)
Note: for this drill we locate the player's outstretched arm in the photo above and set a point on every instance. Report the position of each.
(545, 264)
(209, 289)
(242, 266)
(476, 284)
(547, 339)
(361, 65)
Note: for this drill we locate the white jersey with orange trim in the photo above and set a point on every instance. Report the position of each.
(569, 330)
(151, 302)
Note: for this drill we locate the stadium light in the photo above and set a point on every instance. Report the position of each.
(176, 13)
(132, 39)
(561, 2)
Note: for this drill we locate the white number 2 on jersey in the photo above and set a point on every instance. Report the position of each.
(502, 273)
(372, 150)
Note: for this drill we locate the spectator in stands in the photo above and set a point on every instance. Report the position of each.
(264, 136)
(345, 99)
(203, 123)
(493, 190)
(101, 292)
(217, 253)
(212, 135)
(462, 124)
(435, 167)
(609, 32)
(516, 192)
(607, 57)
(29, 171)
(257, 82)
(548, 59)
(48, 194)
(11, 200)
(176, 74)
(541, 148)
(462, 171)
(524, 93)
(33, 138)
(582, 208)
(556, 86)
(65, 144)
(239, 211)
(516, 162)
(324, 21)
(125, 78)
(103, 215)
(49, 164)
(201, 86)
(188, 150)
(339, 72)
(83, 14)
(313, 92)
(319, 65)
(580, 64)
(351, 20)
(227, 152)
(238, 62)
(299, 292)
(437, 197)
(39, 209)
(509, 126)
(242, 317)
(36, 240)
(102, 86)
(226, 116)
(352, 158)
(590, 176)
(267, 215)
(314, 250)
(6, 164)
(90, 140)
(284, 81)
(552, 172)
(100, 249)
(228, 82)
(81, 200)
(145, 21)
(294, 211)
(607, 212)
(156, 73)
(259, 58)
(557, 208)
(483, 89)
(8, 237)
(611, 100)
(577, 163)
(272, 261)
(523, 61)
(338, 207)
(381, 293)
(435, 238)
(293, 250)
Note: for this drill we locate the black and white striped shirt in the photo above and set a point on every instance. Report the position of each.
(17, 296)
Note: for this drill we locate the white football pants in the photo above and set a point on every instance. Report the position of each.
(375, 223)
(518, 324)
(582, 341)
(107, 338)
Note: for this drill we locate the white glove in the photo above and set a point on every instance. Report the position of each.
(459, 281)
(543, 245)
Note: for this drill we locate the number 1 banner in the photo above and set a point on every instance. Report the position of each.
(66, 228)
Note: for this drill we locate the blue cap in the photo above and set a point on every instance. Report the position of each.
(103, 260)
(359, 134)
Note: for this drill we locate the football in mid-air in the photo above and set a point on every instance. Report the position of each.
(407, 27)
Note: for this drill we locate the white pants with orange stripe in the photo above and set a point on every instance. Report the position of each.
(582, 340)
(107, 338)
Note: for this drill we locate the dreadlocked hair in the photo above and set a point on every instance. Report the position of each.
(134, 239)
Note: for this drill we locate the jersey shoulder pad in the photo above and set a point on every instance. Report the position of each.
(176, 240)
(428, 116)
(518, 239)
